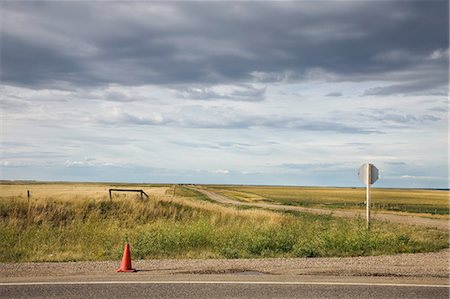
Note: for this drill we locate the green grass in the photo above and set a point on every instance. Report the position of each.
(405, 200)
(54, 229)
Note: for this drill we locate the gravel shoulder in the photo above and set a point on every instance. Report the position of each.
(423, 267)
(412, 220)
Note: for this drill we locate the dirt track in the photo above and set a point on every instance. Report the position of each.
(413, 220)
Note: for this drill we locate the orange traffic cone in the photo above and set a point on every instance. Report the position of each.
(125, 266)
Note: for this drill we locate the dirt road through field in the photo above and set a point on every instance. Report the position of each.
(413, 220)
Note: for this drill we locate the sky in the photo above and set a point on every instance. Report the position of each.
(254, 92)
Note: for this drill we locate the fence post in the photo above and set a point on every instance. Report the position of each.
(29, 207)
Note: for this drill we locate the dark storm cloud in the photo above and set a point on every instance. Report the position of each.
(92, 44)
(416, 82)
(334, 94)
(439, 109)
(403, 89)
(393, 116)
(115, 96)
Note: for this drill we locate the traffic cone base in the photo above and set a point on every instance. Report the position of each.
(131, 270)
(125, 266)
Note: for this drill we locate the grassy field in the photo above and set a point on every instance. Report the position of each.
(75, 222)
(432, 202)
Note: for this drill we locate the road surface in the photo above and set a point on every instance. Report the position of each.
(423, 275)
(414, 220)
(219, 289)
(397, 276)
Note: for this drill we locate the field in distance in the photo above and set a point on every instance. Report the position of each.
(429, 203)
(78, 221)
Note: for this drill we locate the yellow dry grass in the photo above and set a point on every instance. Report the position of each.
(80, 192)
(71, 191)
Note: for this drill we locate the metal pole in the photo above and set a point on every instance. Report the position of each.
(369, 179)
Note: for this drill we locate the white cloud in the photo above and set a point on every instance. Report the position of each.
(438, 54)
(220, 171)
(423, 177)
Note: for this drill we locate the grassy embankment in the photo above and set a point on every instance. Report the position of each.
(74, 222)
(435, 203)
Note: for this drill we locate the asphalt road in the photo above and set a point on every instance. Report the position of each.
(215, 289)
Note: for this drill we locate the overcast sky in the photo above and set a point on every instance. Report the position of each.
(290, 93)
